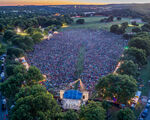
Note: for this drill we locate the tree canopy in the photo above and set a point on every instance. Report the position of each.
(125, 114)
(136, 55)
(141, 43)
(92, 111)
(34, 103)
(119, 88)
(128, 68)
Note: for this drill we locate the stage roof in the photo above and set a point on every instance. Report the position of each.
(73, 94)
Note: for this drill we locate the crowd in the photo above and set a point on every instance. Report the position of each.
(57, 57)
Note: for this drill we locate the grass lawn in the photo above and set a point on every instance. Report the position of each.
(145, 76)
(94, 23)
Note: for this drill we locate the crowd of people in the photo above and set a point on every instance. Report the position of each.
(57, 57)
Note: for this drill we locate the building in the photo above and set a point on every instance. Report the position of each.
(73, 99)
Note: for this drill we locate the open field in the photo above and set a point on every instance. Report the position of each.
(94, 23)
(57, 58)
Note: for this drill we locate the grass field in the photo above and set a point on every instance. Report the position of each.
(94, 23)
(145, 76)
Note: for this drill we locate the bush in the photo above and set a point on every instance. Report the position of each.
(15, 52)
(80, 21)
(134, 23)
(119, 18)
(117, 30)
(136, 30)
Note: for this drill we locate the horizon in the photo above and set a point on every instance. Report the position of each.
(66, 2)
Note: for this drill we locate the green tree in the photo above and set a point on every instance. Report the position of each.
(125, 25)
(136, 30)
(19, 69)
(141, 43)
(12, 85)
(146, 27)
(125, 114)
(120, 88)
(36, 104)
(33, 75)
(37, 37)
(80, 21)
(8, 35)
(9, 69)
(114, 28)
(128, 68)
(15, 52)
(1, 27)
(136, 55)
(92, 111)
(71, 115)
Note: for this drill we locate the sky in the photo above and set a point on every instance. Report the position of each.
(61, 2)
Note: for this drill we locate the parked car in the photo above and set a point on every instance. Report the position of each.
(147, 105)
(141, 119)
(144, 113)
(3, 104)
(148, 102)
(4, 55)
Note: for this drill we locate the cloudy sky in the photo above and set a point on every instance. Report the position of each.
(52, 2)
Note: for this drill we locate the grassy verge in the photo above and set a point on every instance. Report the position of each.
(145, 77)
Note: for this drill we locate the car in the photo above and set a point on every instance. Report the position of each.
(144, 113)
(141, 119)
(147, 106)
(4, 55)
(148, 102)
(3, 104)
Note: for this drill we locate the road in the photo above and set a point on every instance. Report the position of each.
(2, 113)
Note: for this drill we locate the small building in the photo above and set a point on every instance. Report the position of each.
(73, 99)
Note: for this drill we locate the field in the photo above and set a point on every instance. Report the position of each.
(94, 23)
(145, 76)
(77, 53)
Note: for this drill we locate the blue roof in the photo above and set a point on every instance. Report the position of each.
(72, 94)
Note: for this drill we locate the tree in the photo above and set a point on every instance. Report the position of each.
(119, 88)
(34, 103)
(114, 28)
(15, 52)
(80, 21)
(128, 68)
(30, 30)
(136, 30)
(92, 111)
(37, 37)
(2, 49)
(8, 35)
(27, 43)
(9, 69)
(125, 114)
(134, 23)
(71, 115)
(12, 85)
(110, 19)
(125, 25)
(136, 55)
(119, 18)
(146, 27)
(1, 27)
(19, 69)
(141, 43)
(33, 75)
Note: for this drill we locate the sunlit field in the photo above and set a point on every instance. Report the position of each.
(94, 23)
